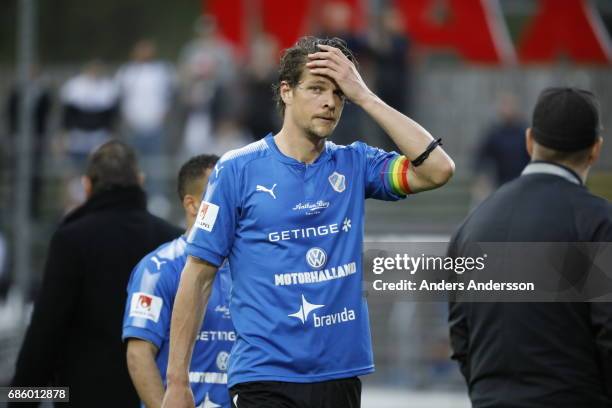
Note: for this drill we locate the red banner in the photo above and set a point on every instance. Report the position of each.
(571, 28)
(474, 29)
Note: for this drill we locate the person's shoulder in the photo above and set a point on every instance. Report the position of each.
(165, 258)
(77, 223)
(240, 157)
(596, 204)
(173, 251)
(69, 234)
(357, 147)
(164, 227)
(489, 208)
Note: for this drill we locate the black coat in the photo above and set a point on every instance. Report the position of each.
(74, 338)
(524, 355)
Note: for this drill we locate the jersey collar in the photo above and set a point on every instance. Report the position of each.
(541, 167)
(323, 157)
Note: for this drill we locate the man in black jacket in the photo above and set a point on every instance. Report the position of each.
(525, 355)
(74, 338)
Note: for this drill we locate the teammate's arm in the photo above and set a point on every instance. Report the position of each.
(145, 375)
(187, 316)
(411, 138)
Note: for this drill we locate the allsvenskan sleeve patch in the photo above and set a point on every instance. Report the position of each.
(146, 306)
(207, 215)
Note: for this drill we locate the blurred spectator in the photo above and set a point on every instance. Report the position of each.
(90, 102)
(41, 106)
(74, 338)
(207, 71)
(145, 90)
(146, 86)
(260, 114)
(501, 154)
(335, 20)
(389, 48)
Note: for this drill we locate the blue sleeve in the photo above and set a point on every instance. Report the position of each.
(148, 310)
(379, 177)
(212, 234)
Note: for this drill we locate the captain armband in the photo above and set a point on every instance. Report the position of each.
(396, 175)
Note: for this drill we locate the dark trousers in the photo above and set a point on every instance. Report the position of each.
(343, 393)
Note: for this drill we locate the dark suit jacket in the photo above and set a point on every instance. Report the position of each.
(74, 338)
(535, 354)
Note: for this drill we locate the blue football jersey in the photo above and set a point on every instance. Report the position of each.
(293, 234)
(151, 292)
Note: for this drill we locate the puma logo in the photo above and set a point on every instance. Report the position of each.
(267, 190)
(217, 169)
(158, 263)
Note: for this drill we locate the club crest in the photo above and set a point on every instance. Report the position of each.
(337, 181)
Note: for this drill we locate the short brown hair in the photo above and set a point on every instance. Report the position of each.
(294, 59)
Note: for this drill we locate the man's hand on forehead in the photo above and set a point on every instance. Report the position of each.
(332, 63)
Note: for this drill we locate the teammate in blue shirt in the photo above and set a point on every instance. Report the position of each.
(288, 213)
(151, 291)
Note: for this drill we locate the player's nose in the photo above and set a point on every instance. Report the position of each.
(330, 100)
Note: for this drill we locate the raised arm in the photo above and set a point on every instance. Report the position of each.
(187, 316)
(411, 138)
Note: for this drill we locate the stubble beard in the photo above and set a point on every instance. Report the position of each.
(316, 132)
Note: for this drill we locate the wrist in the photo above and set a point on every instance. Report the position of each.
(366, 99)
(177, 379)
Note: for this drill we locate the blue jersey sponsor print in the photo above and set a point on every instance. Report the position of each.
(151, 292)
(293, 234)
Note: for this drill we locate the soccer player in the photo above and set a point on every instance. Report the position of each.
(288, 212)
(151, 293)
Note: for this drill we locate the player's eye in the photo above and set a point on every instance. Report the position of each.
(339, 94)
(316, 89)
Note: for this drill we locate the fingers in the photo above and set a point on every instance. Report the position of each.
(325, 58)
(330, 58)
(325, 72)
(323, 63)
(324, 55)
(335, 51)
(319, 55)
(325, 67)
(329, 52)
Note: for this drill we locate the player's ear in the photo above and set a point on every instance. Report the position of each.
(286, 92)
(190, 205)
(595, 151)
(87, 186)
(529, 142)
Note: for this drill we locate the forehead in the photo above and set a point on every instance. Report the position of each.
(311, 79)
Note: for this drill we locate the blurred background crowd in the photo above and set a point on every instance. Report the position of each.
(175, 79)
